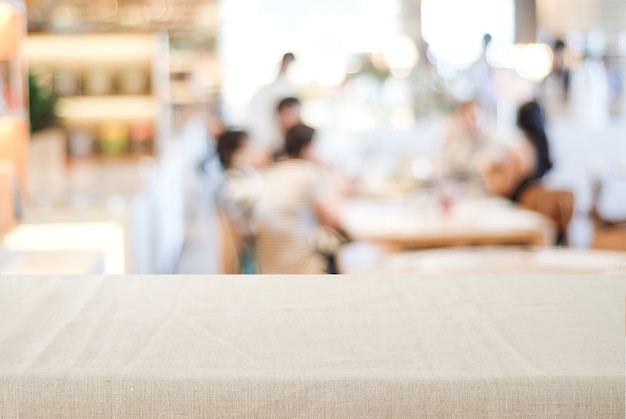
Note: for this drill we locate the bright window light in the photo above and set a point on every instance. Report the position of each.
(107, 237)
(401, 56)
(322, 33)
(454, 29)
(535, 62)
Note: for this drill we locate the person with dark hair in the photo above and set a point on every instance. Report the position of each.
(240, 190)
(229, 143)
(530, 119)
(519, 175)
(287, 103)
(525, 163)
(288, 115)
(298, 140)
(298, 200)
(288, 111)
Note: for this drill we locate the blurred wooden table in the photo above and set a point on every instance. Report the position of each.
(416, 223)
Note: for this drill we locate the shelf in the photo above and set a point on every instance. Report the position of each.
(185, 92)
(107, 108)
(90, 50)
(91, 59)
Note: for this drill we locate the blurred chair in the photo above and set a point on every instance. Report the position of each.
(608, 234)
(361, 256)
(556, 204)
(238, 253)
(230, 242)
(7, 197)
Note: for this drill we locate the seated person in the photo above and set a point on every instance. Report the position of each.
(519, 173)
(297, 201)
(467, 142)
(240, 188)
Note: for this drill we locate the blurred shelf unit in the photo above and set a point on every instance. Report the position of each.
(86, 109)
(194, 76)
(183, 89)
(113, 89)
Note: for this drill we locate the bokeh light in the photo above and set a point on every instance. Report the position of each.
(401, 56)
(534, 62)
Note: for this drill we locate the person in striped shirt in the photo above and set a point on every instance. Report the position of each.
(297, 201)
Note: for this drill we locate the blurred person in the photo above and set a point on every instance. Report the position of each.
(590, 97)
(527, 162)
(428, 86)
(482, 79)
(560, 70)
(240, 190)
(615, 85)
(518, 175)
(288, 115)
(467, 142)
(299, 206)
(264, 130)
(556, 86)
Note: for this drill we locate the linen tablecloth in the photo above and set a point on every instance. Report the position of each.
(314, 346)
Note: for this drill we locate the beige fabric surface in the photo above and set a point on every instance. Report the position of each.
(309, 347)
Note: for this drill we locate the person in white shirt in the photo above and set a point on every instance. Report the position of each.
(468, 142)
(263, 125)
(483, 80)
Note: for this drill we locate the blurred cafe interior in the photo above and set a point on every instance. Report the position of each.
(460, 163)
(283, 137)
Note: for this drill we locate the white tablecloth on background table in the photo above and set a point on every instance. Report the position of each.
(357, 258)
(413, 222)
(333, 346)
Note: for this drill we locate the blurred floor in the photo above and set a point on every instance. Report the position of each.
(200, 253)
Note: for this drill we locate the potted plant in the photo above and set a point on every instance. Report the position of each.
(47, 149)
(42, 107)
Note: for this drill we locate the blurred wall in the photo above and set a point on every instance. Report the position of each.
(525, 21)
(559, 17)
